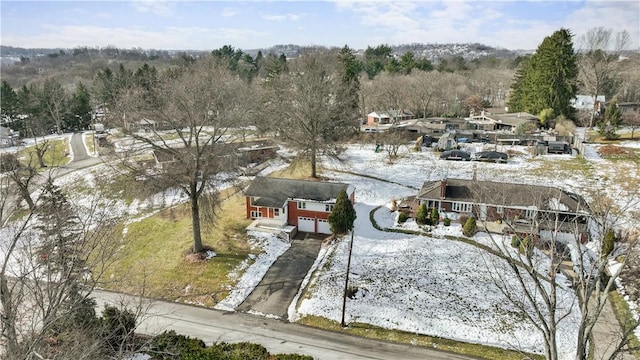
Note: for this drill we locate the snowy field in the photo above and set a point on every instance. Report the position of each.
(419, 284)
(430, 285)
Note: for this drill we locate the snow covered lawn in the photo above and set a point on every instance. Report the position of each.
(430, 285)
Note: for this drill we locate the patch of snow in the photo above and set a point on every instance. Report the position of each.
(139, 356)
(268, 316)
(272, 248)
(210, 254)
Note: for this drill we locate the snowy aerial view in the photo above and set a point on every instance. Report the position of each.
(424, 284)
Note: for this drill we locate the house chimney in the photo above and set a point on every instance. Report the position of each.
(443, 188)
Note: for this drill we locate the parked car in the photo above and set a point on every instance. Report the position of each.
(455, 155)
(559, 147)
(491, 156)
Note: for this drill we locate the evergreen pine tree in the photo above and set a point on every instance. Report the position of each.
(343, 215)
(435, 216)
(421, 214)
(548, 78)
(62, 257)
(612, 118)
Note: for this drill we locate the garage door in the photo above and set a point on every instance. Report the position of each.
(323, 227)
(306, 224)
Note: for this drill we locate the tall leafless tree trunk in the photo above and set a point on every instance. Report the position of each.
(311, 106)
(188, 117)
(537, 263)
(53, 98)
(600, 65)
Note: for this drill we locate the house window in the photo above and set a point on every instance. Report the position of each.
(302, 205)
(276, 212)
(328, 207)
(256, 214)
(499, 210)
(531, 213)
(461, 207)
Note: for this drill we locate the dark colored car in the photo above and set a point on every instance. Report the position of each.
(491, 156)
(455, 155)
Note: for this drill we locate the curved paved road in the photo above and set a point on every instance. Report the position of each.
(277, 336)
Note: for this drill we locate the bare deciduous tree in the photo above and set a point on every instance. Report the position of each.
(423, 87)
(185, 122)
(309, 103)
(393, 140)
(632, 121)
(53, 98)
(548, 256)
(600, 65)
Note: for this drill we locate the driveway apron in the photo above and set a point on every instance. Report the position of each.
(280, 284)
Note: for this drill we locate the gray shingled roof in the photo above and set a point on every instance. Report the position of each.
(502, 194)
(273, 192)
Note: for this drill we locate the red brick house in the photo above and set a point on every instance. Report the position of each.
(530, 208)
(293, 205)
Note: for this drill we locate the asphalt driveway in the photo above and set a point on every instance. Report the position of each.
(281, 282)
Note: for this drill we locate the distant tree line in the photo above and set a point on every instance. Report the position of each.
(62, 100)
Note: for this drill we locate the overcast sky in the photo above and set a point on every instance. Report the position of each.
(205, 25)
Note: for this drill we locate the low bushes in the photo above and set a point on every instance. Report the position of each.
(172, 346)
(470, 228)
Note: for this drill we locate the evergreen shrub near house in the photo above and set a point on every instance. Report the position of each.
(435, 216)
(421, 214)
(447, 221)
(470, 228)
(343, 215)
(402, 218)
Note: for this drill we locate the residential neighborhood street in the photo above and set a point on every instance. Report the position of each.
(277, 336)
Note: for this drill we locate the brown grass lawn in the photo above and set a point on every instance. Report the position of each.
(374, 332)
(155, 257)
(57, 154)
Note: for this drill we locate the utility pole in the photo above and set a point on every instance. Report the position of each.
(346, 282)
